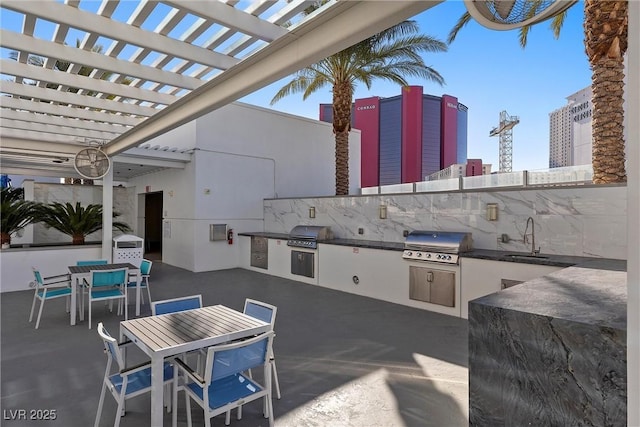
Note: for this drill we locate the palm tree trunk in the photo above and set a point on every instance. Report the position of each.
(5, 238)
(342, 100)
(77, 239)
(606, 26)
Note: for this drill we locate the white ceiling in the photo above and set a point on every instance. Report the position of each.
(134, 70)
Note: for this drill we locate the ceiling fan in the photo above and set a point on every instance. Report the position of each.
(511, 14)
(91, 163)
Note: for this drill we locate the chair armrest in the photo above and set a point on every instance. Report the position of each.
(67, 275)
(125, 343)
(47, 280)
(189, 371)
(136, 368)
(55, 285)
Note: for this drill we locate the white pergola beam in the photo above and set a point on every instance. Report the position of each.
(55, 129)
(75, 18)
(231, 17)
(19, 144)
(35, 92)
(60, 110)
(29, 117)
(31, 72)
(333, 29)
(19, 42)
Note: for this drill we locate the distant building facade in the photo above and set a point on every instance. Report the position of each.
(407, 137)
(473, 167)
(570, 131)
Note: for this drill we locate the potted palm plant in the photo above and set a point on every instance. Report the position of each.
(76, 221)
(15, 213)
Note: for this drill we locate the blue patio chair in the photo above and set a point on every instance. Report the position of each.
(126, 382)
(47, 288)
(176, 304)
(145, 271)
(109, 285)
(267, 313)
(223, 386)
(84, 285)
(92, 262)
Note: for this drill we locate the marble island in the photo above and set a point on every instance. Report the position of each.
(551, 351)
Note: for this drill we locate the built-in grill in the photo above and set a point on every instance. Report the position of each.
(436, 246)
(307, 236)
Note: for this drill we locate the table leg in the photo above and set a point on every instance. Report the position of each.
(157, 389)
(74, 300)
(138, 283)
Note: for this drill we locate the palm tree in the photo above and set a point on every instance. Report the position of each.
(15, 212)
(606, 35)
(389, 55)
(76, 221)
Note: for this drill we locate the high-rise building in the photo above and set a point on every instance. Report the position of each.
(473, 167)
(570, 131)
(407, 137)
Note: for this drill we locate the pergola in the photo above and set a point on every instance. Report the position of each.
(161, 64)
(114, 74)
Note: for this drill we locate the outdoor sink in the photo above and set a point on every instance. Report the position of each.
(524, 256)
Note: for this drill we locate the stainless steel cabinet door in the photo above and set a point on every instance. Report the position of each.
(432, 285)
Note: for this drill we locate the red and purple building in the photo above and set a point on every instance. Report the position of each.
(407, 137)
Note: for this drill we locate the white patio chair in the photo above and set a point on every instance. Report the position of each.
(109, 285)
(267, 313)
(145, 272)
(49, 288)
(223, 385)
(126, 382)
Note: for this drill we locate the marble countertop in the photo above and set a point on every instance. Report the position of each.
(268, 235)
(594, 292)
(525, 258)
(494, 255)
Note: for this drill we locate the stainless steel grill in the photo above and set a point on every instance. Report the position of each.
(307, 236)
(436, 246)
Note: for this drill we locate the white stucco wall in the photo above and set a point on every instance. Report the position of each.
(243, 154)
(303, 149)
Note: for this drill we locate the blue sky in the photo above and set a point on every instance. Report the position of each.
(489, 72)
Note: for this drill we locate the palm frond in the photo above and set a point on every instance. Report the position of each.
(462, 21)
(557, 22)
(76, 220)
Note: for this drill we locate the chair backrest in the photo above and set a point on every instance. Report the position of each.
(115, 277)
(145, 267)
(176, 304)
(92, 262)
(237, 357)
(111, 347)
(261, 311)
(38, 276)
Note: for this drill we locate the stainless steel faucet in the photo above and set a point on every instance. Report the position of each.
(534, 251)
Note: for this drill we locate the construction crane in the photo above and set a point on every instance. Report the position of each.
(505, 133)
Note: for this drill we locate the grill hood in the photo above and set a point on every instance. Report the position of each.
(311, 232)
(439, 241)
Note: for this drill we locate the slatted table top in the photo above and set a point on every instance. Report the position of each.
(175, 333)
(78, 269)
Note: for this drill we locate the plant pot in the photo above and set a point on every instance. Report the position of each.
(6, 245)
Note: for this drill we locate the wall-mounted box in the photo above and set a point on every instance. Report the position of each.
(217, 232)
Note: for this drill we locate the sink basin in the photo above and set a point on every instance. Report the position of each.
(523, 256)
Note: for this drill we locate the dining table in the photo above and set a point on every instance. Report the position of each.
(83, 272)
(167, 335)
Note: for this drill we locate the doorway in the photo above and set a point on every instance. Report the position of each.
(153, 226)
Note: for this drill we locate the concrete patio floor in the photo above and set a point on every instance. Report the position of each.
(342, 359)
